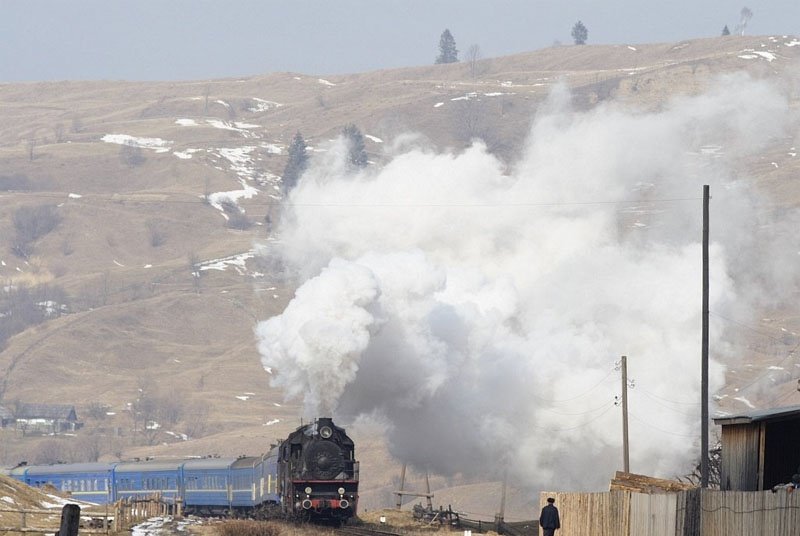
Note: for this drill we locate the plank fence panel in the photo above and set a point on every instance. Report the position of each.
(653, 514)
(686, 513)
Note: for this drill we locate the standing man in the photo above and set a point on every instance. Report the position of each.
(549, 520)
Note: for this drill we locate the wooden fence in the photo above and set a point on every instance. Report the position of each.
(130, 511)
(125, 514)
(33, 516)
(685, 513)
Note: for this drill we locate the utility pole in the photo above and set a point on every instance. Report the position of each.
(704, 359)
(402, 487)
(625, 452)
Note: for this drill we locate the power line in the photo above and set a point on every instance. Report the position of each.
(609, 405)
(667, 399)
(763, 374)
(659, 429)
(592, 388)
(656, 400)
(754, 330)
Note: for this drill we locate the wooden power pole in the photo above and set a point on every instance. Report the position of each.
(625, 451)
(704, 359)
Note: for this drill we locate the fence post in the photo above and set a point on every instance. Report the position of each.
(70, 519)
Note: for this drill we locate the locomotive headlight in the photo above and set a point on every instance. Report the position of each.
(325, 432)
(341, 491)
(308, 490)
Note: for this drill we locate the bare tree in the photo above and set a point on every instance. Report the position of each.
(49, 451)
(30, 224)
(131, 154)
(196, 421)
(237, 219)
(97, 410)
(77, 125)
(88, 448)
(155, 231)
(194, 268)
(58, 133)
(472, 57)
(744, 17)
(31, 146)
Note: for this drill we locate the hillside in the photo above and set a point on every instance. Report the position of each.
(161, 295)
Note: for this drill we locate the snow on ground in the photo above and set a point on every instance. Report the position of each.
(263, 105)
(750, 54)
(792, 43)
(271, 148)
(159, 145)
(271, 422)
(468, 96)
(74, 196)
(186, 122)
(238, 262)
(325, 82)
(373, 138)
(224, 125)
(631, 48)
(9, 500)
(745, 402)
(187, 154)
(438, 104)
(243, 397)
(59, 502)
(222, 102)
(218, 198)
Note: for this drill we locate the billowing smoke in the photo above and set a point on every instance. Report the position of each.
(744, 17)
(478, 311)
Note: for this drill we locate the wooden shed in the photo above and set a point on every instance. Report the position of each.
(46, 418)
(760, 448)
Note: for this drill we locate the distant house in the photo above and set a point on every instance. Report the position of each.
(6, 417)
(759, 448)
(46, 418)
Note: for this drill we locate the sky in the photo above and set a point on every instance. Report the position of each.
(47, 40)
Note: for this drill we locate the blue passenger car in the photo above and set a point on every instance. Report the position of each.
(90, 482)
(206, 484)
(141, 479)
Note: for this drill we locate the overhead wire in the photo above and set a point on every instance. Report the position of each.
(609, 405)
(746, 326)
(644, 422)
(584, 393)
(656, 400)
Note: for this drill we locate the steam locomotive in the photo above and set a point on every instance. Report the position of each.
(312, 474)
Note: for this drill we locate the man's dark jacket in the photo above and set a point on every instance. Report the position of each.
(549, 518)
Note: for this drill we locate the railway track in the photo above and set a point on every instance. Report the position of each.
(366, 530)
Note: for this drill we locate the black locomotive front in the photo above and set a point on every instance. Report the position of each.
(318, 472)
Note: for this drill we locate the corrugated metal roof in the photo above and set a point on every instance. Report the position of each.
(759, 415)
(46, 411)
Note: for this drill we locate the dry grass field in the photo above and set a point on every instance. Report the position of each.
(132, 232)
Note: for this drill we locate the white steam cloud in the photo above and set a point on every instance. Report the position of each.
(479, 312)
